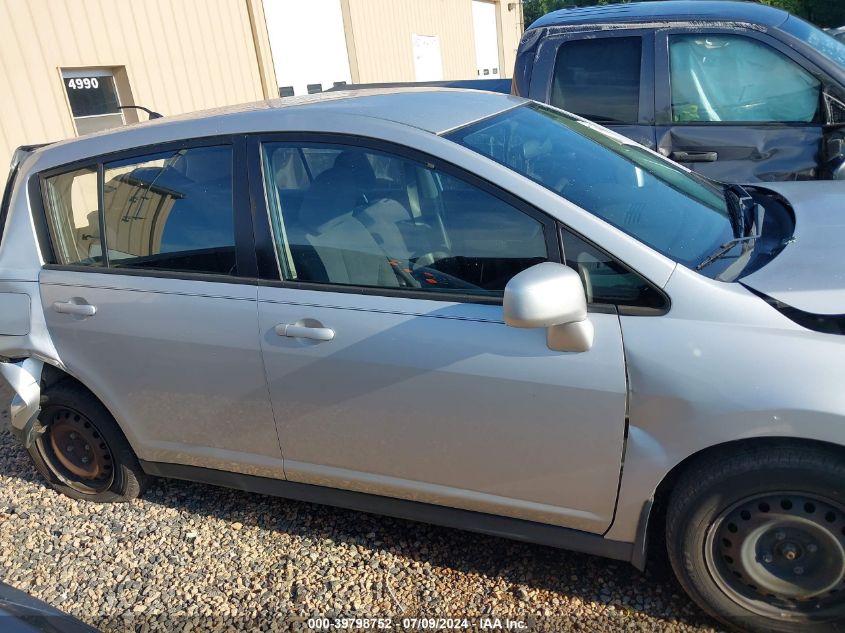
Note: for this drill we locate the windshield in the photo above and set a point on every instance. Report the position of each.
(823, 42)
(665, 206)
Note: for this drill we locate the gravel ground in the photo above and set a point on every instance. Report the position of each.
(191, 557)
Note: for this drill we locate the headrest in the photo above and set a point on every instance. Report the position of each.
(355, 162)
(332, 195)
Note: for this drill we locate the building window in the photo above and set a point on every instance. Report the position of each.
(93, 98)
(285, 91)
(315, 88)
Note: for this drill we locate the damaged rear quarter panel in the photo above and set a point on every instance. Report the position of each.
(24, 337)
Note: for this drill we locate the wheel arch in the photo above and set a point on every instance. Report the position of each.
(650, 543)
(52, 375)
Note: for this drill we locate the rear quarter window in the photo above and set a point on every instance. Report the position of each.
(70, 200)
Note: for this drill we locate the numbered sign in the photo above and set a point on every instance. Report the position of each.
(93, 95)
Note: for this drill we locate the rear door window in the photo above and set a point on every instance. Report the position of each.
(171, 211)
(599, 78)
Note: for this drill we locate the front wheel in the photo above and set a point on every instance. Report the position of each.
(757, 537)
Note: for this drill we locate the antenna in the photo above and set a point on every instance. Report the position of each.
(152, 114)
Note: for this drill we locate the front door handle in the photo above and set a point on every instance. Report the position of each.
(695, 157)
(76, 307)
(294, 330)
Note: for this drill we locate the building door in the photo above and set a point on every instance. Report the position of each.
(486, 39)
(308, 44)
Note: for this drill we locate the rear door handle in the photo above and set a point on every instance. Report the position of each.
(695, 157)
(292, 330)
(75, 307)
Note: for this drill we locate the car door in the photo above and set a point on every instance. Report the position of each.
(604, 76)
(151, 301)
(737, 105)
(389, 365)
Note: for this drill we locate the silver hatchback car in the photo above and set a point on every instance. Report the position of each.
(451, 306)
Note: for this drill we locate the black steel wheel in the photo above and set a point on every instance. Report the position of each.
(756, 536)
(82, 451)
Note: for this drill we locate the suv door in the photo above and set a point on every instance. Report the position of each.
(607, 77)
(737, 105)
(151, 301)
(390, 368)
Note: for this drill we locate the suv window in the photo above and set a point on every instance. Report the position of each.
(599, 79)
(171, 211)
(733, 78)
(607, 280)
(70, 200)
(376, 219)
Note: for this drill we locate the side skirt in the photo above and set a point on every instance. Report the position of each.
(505, 527)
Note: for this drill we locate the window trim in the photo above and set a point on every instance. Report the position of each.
(269, 267)
(622, 310)
(543, 74)
(663, 85)
(247, 270)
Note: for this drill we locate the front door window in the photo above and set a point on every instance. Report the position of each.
(352, 216)
(736, 79)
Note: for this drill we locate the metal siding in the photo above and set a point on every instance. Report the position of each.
(382, 30)
(178, 56)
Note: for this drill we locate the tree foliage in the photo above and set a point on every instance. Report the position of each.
(821, 12)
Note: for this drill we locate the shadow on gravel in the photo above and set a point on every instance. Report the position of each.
(592, 579)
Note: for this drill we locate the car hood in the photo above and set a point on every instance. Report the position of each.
(809, 273)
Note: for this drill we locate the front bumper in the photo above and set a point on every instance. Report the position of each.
(24, 377)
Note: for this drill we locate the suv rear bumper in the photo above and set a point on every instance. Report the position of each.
(24, 377)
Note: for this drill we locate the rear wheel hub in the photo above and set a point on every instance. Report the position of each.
(76, 452)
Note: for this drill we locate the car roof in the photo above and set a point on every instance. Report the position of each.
(434, 110)
(666, 11)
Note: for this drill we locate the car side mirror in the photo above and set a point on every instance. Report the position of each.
(550, 296)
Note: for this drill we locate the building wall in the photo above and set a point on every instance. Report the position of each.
(379, 36)
(172, 56)
(511, 26)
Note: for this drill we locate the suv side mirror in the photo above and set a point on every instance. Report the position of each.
(550, 296)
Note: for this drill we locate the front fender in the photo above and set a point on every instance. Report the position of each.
(723, 366)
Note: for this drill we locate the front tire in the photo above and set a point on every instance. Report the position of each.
(757, 537)
(82, 452)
